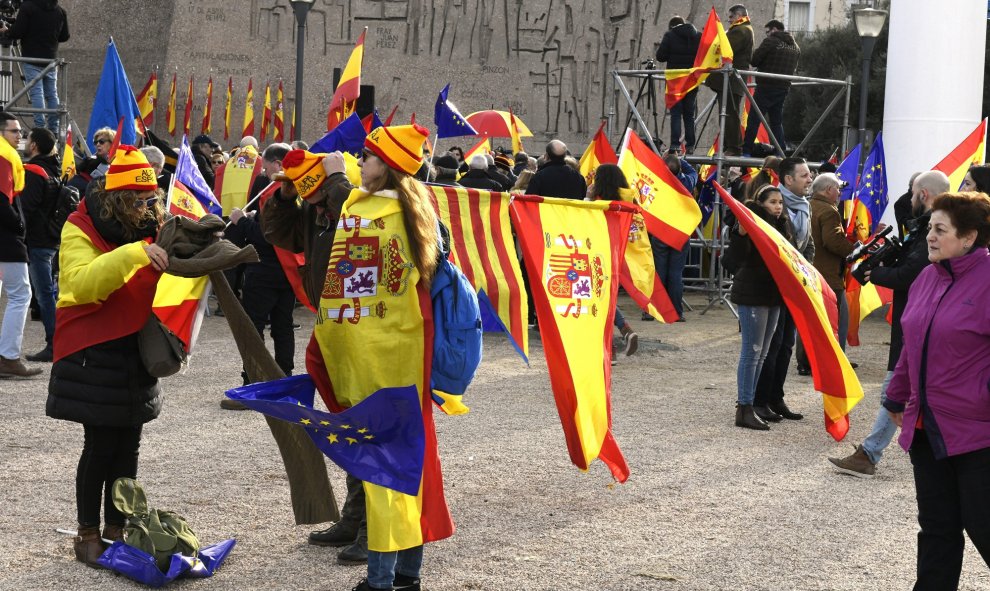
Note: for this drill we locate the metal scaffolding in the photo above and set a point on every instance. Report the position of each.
(9, 63)
(716, 283)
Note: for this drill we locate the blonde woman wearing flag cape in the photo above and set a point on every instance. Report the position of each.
(375, 326)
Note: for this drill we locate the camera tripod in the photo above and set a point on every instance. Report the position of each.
(7, 49)
(647, 90)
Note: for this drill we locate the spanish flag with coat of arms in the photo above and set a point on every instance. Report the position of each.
(573, 252)
(813, 306)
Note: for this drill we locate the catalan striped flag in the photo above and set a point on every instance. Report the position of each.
(278, 121)
(482, 247)
(813, 306)
(669, 210)
(598, 152)
(714, 51)
(187, 121)
(248, 128)
(207, 126)
(345, 97)
(266, 113)
(971, 151)
(573, 252)
(170, 107)
(147, 99)
(226, 108)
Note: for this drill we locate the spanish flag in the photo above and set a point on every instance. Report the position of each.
(147, 98)
(348, 89)
(292, 125)
(235, 177)
(170, 107)
(639, 273)
(180, 304)
(517, 145)
(11, 171)
(182, 202)
(573, 252)
(599, 151)
(207, 126)
(483, 147)
(482, 247)
(669, 210)
(226, 108)
(714, 51)
(971, 151)
(248, 128)
(812, 305)
(266, 113)
(187, 122)
(278, 122)
(68, 158)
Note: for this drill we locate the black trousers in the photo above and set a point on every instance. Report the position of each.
(953, 495)
(355, 512)
(263, 303)
(770, 385)
(108, 453)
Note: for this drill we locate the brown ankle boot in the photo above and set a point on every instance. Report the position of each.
(88, 546)
(113, 532)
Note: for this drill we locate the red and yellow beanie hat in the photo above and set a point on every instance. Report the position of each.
(130, 170)
(305, 171)
(399, 146)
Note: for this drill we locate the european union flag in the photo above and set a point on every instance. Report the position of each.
(380, 440)
(187, 173)
(706, 197)
(847, 172)
(348, 136)
(872, 189)
(449, 121)
(114, 99)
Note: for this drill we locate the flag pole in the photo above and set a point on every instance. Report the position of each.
(251, 202)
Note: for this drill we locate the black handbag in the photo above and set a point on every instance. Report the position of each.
(162, 353)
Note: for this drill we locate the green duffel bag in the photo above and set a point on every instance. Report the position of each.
(156, 532)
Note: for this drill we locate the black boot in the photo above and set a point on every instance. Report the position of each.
(766, 414)
(338, 534)
(747, 419)
(780, 407)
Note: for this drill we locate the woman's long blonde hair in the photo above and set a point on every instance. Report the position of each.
(119, 206)
(419, 215)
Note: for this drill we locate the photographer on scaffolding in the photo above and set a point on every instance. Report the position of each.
(40, 25)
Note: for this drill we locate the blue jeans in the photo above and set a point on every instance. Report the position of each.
(43, 284)
(383, 566)
(684, 109)
(44, 95)
(770, 99)
(670, 268)
(15, 283)
(884, 428)
(757, 324)
(620, 320)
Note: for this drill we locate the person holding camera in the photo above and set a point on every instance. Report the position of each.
(938, 394)
(41, 25)
(863, 461)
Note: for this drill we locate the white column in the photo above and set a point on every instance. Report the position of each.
(934, 87)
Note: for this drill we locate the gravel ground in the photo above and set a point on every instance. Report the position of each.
(708, 506)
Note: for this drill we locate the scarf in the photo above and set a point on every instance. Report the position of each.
(800, 212)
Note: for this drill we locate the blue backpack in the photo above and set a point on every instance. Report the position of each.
(457, 345)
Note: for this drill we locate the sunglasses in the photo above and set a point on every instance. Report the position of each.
(101, 142)
(146, 202)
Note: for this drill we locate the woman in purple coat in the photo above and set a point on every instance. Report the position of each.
(940, 392)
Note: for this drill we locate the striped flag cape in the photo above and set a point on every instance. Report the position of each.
(481, 246)
(714, 51)
(971, 151)
(573, 250)
(813, 306)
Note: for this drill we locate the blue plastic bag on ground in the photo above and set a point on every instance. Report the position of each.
(140, 566)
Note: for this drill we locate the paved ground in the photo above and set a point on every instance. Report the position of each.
(708, 506)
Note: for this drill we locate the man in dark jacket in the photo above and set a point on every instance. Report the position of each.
(445, 170)
(14, 268)
(202, 149)
(778, 54)
(742, 40)
(477, 175)
(898, 277)
(38, 200)
(41, 25)
(678, 48)
(555, 178)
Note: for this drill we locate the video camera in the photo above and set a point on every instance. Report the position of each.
(649, 64)
(882, 249)
(8, 14)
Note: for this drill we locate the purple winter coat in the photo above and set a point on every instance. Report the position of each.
(946, 336)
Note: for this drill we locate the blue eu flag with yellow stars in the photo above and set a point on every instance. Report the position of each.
(348, 136)
(872, 189)
(449, 121)
(381, 440)
(847, 172)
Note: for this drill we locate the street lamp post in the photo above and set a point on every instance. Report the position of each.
(869, 22)
(301, 9)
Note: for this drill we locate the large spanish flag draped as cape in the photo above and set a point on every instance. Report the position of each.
(481, 246)
(235, 177)
(573, 251)
(812, 305)
(375, 330)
